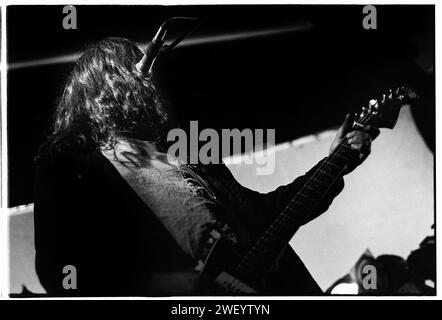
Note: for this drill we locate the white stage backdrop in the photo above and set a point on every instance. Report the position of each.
(386, 206)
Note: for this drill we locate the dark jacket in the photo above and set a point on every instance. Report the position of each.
(87, 216)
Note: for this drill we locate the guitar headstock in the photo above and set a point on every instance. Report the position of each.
(384, 112)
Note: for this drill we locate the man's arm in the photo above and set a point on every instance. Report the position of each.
(269, 205)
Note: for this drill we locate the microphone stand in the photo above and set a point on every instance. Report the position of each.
(157, 47)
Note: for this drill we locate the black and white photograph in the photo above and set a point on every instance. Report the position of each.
(270, 150)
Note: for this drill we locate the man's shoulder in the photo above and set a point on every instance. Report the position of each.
(66, 167)
(67, 158)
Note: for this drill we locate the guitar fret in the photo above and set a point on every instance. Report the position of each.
(339, 155)
(311, 188)
(320, 182)
(327, 173)
(259, 247)
(347, 147)
(299, 204)
(278, 221)
(305, 196)
(253, 254)
(332, 164)
(266, 236)
(283, 220)
(274, 227)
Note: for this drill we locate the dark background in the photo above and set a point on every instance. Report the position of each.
(297, 83)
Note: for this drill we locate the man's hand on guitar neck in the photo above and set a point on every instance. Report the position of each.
(359, 140)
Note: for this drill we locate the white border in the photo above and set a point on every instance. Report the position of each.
(4, 232)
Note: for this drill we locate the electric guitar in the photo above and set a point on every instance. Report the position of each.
(245, 273)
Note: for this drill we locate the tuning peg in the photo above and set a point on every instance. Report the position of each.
(400, 93)
(390, 95)
(373, 105)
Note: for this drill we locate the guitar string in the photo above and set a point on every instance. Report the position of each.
(251, 252)
(316, 174)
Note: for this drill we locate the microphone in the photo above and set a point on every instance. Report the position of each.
(157, 47)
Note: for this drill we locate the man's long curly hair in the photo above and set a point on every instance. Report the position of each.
(106, 98)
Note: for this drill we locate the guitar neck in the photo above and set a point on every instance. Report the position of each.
(382, 113)
(300, 210)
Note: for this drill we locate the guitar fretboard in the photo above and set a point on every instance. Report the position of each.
(300, 210)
